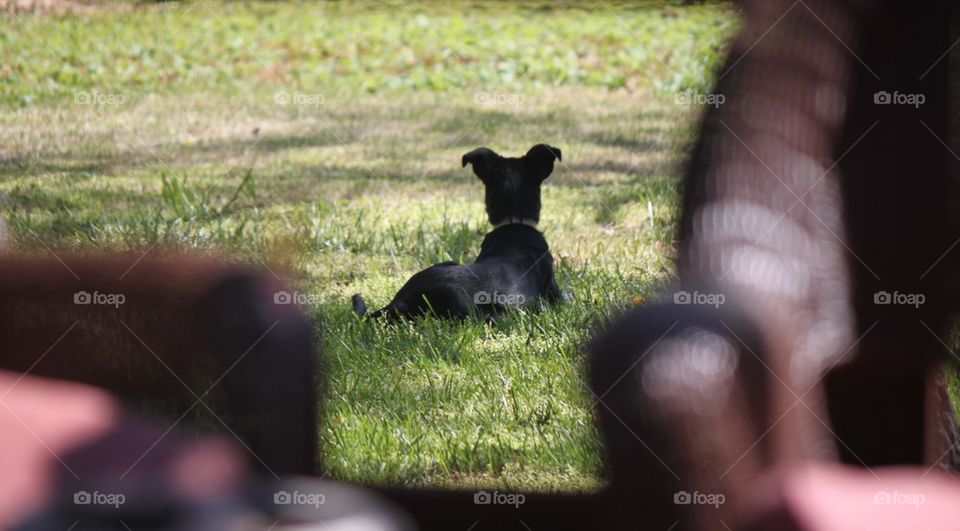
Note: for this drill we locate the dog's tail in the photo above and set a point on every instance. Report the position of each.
(360, 307)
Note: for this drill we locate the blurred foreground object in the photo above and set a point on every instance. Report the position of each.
(809, 201)
(71, 458)
(172, 337)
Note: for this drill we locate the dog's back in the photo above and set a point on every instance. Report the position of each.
(514, 267)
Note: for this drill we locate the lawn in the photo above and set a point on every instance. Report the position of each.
(324, 140)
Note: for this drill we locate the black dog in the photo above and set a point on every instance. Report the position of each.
(514, 268)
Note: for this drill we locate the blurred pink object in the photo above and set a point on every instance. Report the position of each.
(58, 434)
(839, 498)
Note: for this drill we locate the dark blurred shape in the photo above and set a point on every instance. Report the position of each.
(171, 336)
(807, 198)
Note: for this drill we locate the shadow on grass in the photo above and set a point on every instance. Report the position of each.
(167, 155)
(650, 144)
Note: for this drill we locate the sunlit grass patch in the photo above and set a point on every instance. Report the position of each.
(324, 142)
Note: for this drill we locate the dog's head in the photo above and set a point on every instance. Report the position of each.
(513, 183)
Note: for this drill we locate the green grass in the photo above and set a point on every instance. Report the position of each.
(363, 47)
(358, 184)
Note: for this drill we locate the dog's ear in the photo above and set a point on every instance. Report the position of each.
(482, 160)
(539, 160)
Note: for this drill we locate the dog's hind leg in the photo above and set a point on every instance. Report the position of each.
(554, 294)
